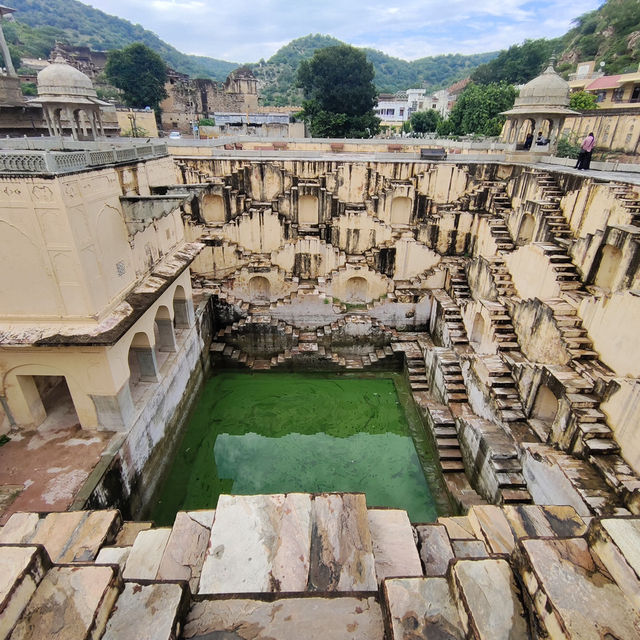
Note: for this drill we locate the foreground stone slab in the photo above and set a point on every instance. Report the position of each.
(394, 548)
(533, 521)
(617, 544)
(129, 532)
(422, 608)
(341, 547)
(113, 555)
(99, 527)
(458, 527)
(572, 598)
(335, 618)
(272, 552)
(488, 602)
(71, 603)
(146, 554)
(489, 524)
(146, 612)
(19, 528)
(185, 551)
(56, 530)
(21, 570)
(435, 549)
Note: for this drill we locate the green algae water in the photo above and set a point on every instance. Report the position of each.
(285, 432)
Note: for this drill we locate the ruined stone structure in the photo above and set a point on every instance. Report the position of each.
(191, 99)
(505, 291)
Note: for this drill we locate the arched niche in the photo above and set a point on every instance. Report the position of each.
(259, 289)
(400, 210)
(356, 289)
(609, 263)
(213, 208)
(183, 314)
(308, 210)
(478, 329)
(527, 226)
(545, 406)
(143, 366)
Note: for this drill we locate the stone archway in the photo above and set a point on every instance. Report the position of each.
(478, 329)
(545, 406)
(609, 263)
(356, 289)
(260, 289)
(527, 227)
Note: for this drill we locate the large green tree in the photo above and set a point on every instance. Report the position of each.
(425, 121)
(478, 108)
(139, 73)
(583, 101)
(339, 93)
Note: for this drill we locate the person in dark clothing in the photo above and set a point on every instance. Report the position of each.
(586, 148)
(528, 141)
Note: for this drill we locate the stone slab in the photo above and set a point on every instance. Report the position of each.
(341, 557)
(21, 570)
(100, 527)
(315, 618)
(458, 527)
(129, 532)
(572, 596)
(469, 549)
(146, 612)
(272, 554)
(488, 601)
(533, 521)
(185, 551)
(490, 524)
(146, 554)
(113, 555)
(394, 547)
(20, 528)
(71, 603)
(422, 608)
(435, 549)
(56, 532)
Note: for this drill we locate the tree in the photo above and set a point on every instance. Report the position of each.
(424, 121)
(339, 93)
(582, 101)
(478, 108)
(139, 73)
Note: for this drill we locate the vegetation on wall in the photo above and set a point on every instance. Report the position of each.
(582, 101)
(339, 93)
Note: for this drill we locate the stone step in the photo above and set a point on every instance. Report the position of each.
(544, 521)
(458, 527)
(478, 586)
(511, 496)
(70, 602)
(601, 446)
(147, 611)
(19, 528)
(424, 606)
(394, 548)
(616, 542)
(186, 547)
(312, 618)
(435, 549)
(21, 571)
(146, 554)
(571, 595)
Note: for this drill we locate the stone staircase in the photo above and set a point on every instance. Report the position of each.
(630, 201)
(502, 389)
(565, 271)
(322, 567)
(454, 333)
(500, 233)
(504, 334)
(501, 277)
(551, 210)
(457, 285)
(572, 333)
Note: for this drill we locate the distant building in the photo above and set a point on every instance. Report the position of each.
(621, 91)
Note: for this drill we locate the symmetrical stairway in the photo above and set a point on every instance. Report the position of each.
(322, 567)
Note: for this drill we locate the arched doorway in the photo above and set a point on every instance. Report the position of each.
(143, 365)
(356, 289)
(609, 263)
(259, 289)
(213, 208)
(308, 210)
(527, 226)
(545, 406)
(478, 329)
(401, 210)
(164, 335)
(183, 315)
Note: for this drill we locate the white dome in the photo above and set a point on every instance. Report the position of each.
(61, 79)
(547, 89)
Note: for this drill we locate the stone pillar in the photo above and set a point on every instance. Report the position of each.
(5, 53)
(184, 314)
(166, 335)
(27, 407)
(115, 413)
(147, 363)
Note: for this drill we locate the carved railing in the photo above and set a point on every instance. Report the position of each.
(54, 162)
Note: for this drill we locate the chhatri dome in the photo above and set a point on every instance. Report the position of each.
(69, 101)
(543, 105)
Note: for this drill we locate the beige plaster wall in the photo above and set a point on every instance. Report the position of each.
(612, 324)
(531, 273)
(357, 232)
(622, 409)
(341, 288)
(317, 257)
(413, 258)
(259, 231)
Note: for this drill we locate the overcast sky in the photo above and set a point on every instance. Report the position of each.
(246, 30)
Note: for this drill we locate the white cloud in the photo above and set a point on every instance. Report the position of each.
(245, 31)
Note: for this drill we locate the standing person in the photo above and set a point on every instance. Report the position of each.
(528, 141)
(584, 157)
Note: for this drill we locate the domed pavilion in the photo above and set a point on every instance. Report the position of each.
(69, 101)
(543, 105)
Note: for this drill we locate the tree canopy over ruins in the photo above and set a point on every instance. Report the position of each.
(139, 73)
(339, 93)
